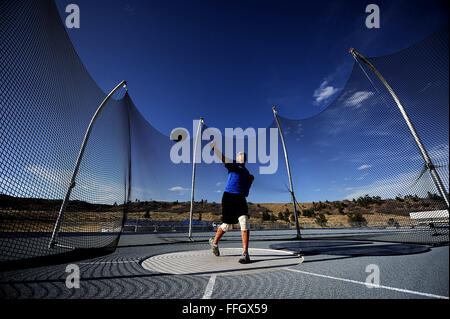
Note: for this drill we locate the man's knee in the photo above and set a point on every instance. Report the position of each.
(225, 227)
(243, 222)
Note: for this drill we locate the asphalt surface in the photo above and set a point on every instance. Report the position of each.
(331, 269)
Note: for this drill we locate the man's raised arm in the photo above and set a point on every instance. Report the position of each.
(219, 154)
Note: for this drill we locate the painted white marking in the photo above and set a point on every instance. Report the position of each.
(210, 287)
(373, 285)
(110, 262)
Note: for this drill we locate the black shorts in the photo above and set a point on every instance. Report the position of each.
(233, 206)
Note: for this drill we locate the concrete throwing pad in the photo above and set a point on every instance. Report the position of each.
(204, 263)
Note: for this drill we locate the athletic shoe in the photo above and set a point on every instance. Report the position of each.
(214, 248)
(245, 259)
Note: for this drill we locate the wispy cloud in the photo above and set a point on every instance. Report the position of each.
(389, 187)
(356, 99)
(362, 177)
(324, 92)
(178, 189)
(365, 166)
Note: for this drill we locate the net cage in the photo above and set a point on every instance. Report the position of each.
(356, 170)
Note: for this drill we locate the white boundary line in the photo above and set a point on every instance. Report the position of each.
(212, 280)
(210, 287)
(109, 262)
(372, 285)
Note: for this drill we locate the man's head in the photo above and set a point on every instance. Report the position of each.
(241, 158)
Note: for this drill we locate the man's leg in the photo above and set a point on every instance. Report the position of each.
(245, 234)
(215, 243)
(219, 235)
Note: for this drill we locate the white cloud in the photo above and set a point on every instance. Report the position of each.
(218, 183)
(178, 189)
(361, 177)
(357, 99)
(324, 92)
(390, 187)
(364, 167)
(318, 190)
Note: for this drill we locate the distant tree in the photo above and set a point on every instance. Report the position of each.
(433, 196)
(265, 216)
(356, 220)
(321, 220)
(200, 216)
(393, 223)
(292, 218)
(280, 216)
(273, 218)
(308, 212)
(147, 214)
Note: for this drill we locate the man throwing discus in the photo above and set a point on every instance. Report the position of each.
(234, 203)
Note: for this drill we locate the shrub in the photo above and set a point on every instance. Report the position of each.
(357, 220)
(393, 223)
(308, 212)
(147, 214)
(321, 220)
(265, 216)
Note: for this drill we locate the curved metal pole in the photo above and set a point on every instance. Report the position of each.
(434, 174)
(291, 187)
(53, 241)
(191, 212)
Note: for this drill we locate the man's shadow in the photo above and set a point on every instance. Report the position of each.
(350, 249)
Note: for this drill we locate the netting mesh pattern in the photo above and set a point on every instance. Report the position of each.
(362, 167)
(47, 99)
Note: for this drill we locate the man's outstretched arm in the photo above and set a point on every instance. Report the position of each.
(219, 154)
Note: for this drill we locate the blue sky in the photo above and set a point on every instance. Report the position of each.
(231, 61)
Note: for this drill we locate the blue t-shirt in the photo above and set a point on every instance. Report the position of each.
(238, 179)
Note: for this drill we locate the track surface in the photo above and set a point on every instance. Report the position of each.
(331, 269)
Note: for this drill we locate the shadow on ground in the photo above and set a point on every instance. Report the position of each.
(348, 248)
